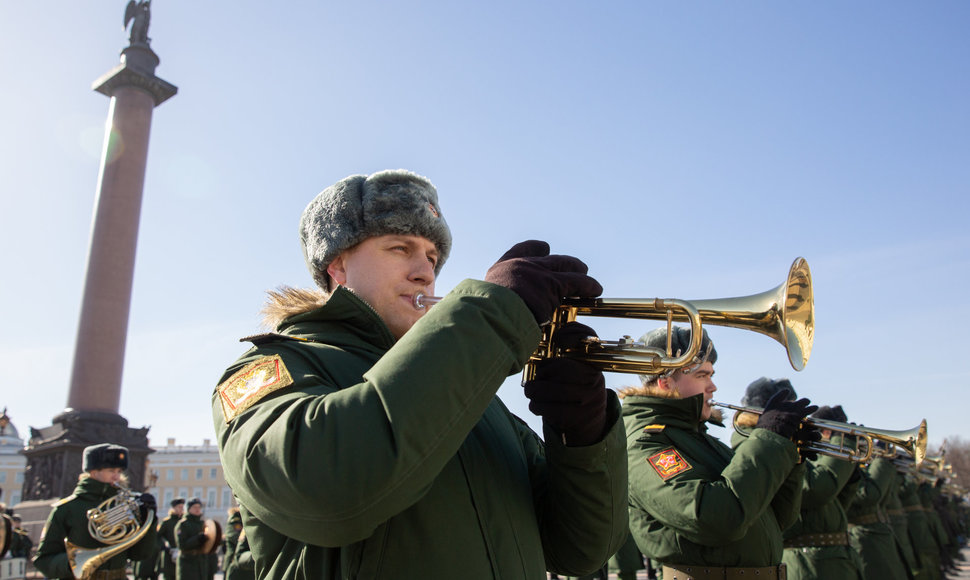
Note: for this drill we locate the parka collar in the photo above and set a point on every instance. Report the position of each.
(652, 407)
(358, 318)
(94, 489)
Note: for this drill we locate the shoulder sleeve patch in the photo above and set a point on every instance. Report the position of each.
(251, 383)
(669, 463)
(655, 428)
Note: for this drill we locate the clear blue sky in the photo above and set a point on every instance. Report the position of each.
(682, 149)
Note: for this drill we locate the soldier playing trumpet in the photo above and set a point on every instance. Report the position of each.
(70, 525)
(700, 509)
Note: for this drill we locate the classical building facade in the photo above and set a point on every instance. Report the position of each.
(12, 462)
(189, 471)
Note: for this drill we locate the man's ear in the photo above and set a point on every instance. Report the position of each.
(663, 383)
(337, 270)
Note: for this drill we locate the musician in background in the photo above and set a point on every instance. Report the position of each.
(696, 506)
(190, 537)
(363, 438)
(102, 479)
(20, 542)
(817, 546)
(870, 529)
(166, 534)
(756, 396)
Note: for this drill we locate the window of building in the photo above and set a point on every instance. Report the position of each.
(226, 497)
(185, 474)
(197, 492)
(212, 496)
(3, 477)
(15, 498)
(169, 474)
(198, 473)
(19, 477)
(169, 496)
(213, 473)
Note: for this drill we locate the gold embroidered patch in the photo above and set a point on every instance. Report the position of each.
(655, 428)
(669, 463)
(251, 383)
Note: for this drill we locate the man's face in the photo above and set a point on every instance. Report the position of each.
(700, 380)
(386, 272)
(179, 509)
(196, 509)
(106, 475)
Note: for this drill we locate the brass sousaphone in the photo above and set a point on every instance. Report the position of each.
(785, 313)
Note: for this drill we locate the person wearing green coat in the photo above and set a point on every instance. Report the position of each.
(363, 437)
(817, 545)
(870, 529)
(697, 507)
(102, 479)
(166, 535)
(190, 537)
(920, 534)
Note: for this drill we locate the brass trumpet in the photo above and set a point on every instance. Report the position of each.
(912, 441)
(114, 522)
(785, 313)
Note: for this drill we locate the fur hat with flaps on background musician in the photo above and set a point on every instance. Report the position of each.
(104, 456)
(762, 389)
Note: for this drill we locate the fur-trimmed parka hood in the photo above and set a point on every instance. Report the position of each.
(688, 408)
(285, 301)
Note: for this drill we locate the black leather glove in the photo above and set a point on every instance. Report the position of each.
(146, 504)
(570, 395)
(784, 417)
(542, 280)
(805, 436)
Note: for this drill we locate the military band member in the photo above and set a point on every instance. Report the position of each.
(696, 506)
(870, 530)
(363, 438)
(20, 542)
(103, 467)
(166, 533)
(190, 537)
(817, 545)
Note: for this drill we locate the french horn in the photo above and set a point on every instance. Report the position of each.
(115, 522)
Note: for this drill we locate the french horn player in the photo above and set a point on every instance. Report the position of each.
(94, 532)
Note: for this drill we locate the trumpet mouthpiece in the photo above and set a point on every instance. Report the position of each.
(422, 301)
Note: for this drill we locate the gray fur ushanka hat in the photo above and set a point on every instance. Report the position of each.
(762, 389)
(679, 343)
(360, 207)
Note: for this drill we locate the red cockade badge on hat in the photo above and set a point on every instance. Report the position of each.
(431, 208)
(669, 463)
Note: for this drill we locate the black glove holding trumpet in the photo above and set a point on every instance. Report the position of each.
(787, 418)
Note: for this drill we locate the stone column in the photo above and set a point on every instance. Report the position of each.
(91, 417)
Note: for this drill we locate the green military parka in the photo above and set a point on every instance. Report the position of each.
(69, 520)
(358, 456)
(695, 501)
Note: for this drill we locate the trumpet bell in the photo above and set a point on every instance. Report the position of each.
(785, 313)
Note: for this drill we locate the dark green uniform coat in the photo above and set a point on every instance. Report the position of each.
(695, 501)
(870, 531)
(69, 520)
(920, 534)
(166, 535)
(192, 563)
(823, 513)
(900, 525)
(395, 459)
